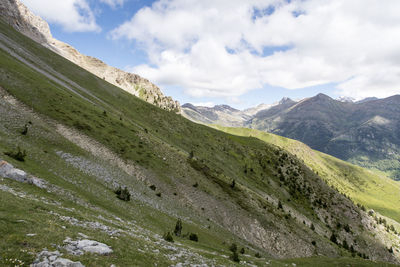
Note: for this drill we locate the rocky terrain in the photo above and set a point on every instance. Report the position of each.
(21, 18)
(91, 175)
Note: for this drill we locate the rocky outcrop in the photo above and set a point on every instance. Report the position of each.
(22, 19)
(8, 171)
(53, 258)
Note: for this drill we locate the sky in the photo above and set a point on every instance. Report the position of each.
(240, 53)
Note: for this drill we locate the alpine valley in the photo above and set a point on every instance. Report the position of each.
(365, 133)
(99, 168)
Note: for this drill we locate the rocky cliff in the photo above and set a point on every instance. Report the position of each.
(22, 19)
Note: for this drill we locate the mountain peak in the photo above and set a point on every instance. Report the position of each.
(224, 107)
(285, 100)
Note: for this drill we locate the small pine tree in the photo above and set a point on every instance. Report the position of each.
(178, 228)
(257, 255)
(25, 130)
(280, 205)
(18, 155)
(242, 251)
(345, 245)
(235, 257)
(193, 237)
(233, 184)
(233, 247)
(168, 237)
(333, 238)
(123, 194)
(312, 227)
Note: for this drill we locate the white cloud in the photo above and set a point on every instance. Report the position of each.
(216, 48)
(204, 104)
(113, 3)
(72, 15)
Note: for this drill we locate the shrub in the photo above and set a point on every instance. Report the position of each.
(25, 130)
(193, 237)
(280, 205)
(123, 194)
(153, 187)
(345, 245)
(168, 237)
(242, 251)
(257, 255)
(158, 194)
(196, 185)
(235, 257)
(233, 247)
(312, 227)
(178, 228)
(313, 243)
(233, 184)
(333, 238)
(17, 155)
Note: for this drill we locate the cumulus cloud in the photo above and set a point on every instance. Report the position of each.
(72, 15)
(228, 47)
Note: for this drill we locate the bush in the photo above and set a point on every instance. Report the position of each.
(18, 155)
(312, 227)
(257, 255)
(313, 243)
(333, 238)
(153, 187)
(345, 245)
(242, 251)
(235, 257)
(193, 237)
(123, 194)
(25, 130)
(168, 237)
(178, 228)
(233, 247)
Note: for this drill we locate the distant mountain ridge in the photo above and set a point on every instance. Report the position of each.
(365, 132)
(22, 19)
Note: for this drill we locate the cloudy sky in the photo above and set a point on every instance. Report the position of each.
(242, 53)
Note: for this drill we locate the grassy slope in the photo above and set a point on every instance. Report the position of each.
(372, 189)
(157, 140)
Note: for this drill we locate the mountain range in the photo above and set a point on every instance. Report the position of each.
(366, 132)
(93, 175)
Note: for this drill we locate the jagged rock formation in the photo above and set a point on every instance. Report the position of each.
(22, 19)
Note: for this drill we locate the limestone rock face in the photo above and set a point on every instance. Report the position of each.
(22, 19)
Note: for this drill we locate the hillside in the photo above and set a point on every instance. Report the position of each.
(69, 140)
(22, 19)
(373, 189)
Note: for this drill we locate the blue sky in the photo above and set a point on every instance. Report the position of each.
(241, 53)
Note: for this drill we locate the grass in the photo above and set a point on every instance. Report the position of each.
(166, 149)
(370, 188)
